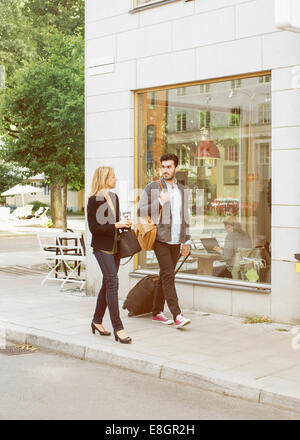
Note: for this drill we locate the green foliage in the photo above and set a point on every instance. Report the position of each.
(67, 15)
(71, 212)
(257, 320)
(44, 112)
(42, 106)
(15, 43)
(23, 23)
(49, 223)
(9, 176)
(37, 204)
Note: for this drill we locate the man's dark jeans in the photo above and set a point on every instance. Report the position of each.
(167, 256)
(108, 295)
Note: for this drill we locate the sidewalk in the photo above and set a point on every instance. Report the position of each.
(216, 352)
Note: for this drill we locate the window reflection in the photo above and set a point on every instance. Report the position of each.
(221, 133)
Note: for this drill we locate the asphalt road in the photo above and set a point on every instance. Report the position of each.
(48, 386)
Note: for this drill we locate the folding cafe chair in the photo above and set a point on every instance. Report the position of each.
(64, 248)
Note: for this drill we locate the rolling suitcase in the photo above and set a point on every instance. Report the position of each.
(140, 298)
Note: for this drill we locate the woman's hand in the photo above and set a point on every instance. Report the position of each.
(218, 249)
(124, 223)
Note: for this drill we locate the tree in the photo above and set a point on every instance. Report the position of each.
(66, 15)
(24, 26)
(23, 22)
(15, 43)
(9, 176)
(44, 115)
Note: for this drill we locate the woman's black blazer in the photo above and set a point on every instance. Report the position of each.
(101, 221)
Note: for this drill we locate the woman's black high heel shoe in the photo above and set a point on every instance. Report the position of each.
(124, 340)
(94, 328)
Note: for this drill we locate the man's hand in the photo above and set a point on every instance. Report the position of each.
(185, 250)
(164, 197)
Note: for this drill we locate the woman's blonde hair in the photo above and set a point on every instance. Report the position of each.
(100, 178)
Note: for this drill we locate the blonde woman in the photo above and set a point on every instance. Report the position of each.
(103, 215)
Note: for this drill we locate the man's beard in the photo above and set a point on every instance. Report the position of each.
(170, 177)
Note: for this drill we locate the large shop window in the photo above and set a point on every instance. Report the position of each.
(221, 133)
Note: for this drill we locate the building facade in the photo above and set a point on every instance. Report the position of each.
(218, 83)
(75, 199)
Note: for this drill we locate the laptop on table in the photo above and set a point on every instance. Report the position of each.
(209, 244)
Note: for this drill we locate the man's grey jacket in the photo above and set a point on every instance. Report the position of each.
(161, 215)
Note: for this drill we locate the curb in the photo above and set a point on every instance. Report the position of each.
(202, 378)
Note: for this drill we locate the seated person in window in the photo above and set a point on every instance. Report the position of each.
(236, 238)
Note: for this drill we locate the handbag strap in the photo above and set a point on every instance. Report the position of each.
(123, 264)
(182, 263)
(160, 211)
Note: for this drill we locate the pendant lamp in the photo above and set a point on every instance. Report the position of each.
(207, 149)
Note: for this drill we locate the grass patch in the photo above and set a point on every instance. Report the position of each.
(257, 320)
(282, 329)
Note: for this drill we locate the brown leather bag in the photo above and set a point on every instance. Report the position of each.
(146, 230)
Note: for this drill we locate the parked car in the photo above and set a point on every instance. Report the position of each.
(224, 206)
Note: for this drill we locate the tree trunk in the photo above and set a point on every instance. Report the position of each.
(56, 205)
(65, 203)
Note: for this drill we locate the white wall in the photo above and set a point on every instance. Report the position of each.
(286, 193)
(181, 42)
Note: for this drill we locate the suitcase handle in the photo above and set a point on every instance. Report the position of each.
(182, 263)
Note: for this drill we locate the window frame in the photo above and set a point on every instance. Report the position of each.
(148, 5)
(181, 91)
(181, 121)
(191, 279)
(264, 113)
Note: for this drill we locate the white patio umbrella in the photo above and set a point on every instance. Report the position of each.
(21, 189)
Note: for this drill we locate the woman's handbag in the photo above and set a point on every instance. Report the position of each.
(128, 244)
